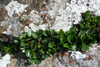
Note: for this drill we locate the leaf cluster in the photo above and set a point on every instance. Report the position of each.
(6, 47)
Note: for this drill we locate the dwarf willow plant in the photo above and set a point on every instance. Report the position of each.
(6, 47)
(41, 44)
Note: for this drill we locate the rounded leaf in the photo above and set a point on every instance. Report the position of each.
(84, 47)
(31, 60)
(32, 44)
(51, 45)
(28, 53)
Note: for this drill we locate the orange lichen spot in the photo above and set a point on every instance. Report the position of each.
(46, 0)
(30, 21)
(70, 60)
(90, 57)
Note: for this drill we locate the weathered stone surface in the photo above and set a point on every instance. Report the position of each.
(14, 25)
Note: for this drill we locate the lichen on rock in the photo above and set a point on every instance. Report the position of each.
(15, 8)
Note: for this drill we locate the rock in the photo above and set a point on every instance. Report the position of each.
(5, 61)
(15, 8)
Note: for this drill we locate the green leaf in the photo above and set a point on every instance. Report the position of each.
(81, 33)
(74, 47)
(72, 32)
(92, 41)
(89, 36)
(70, 38)
(53, 32)
(34, 54)
(61, 39)
(66, 45)
(37, 61)
(49, 51)
(28, 39)
(42, 51)
(98, 23)
(23, 49)
(87, 15)
(72, 28)
(22, 42)
(56, 37)
(46, 33)
(21, 37)
(78, 44)
(45, 41)
(32, 44)
(39, 46)
(86, 25)
(39, 39)
(51, 45)
(29, 33)
(31, 60)
(84, 47)
(60, 32)
(98, 18)
(16, 41)
(40, 31)
(44, 56)
(35, 36)
(27, 53)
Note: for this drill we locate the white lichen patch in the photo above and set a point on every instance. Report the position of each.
(25, 16)
(93, 49)
(34, 16)
(26, 29)
(15, 8)
(5, 60)
(76, 55)
(34, 28)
